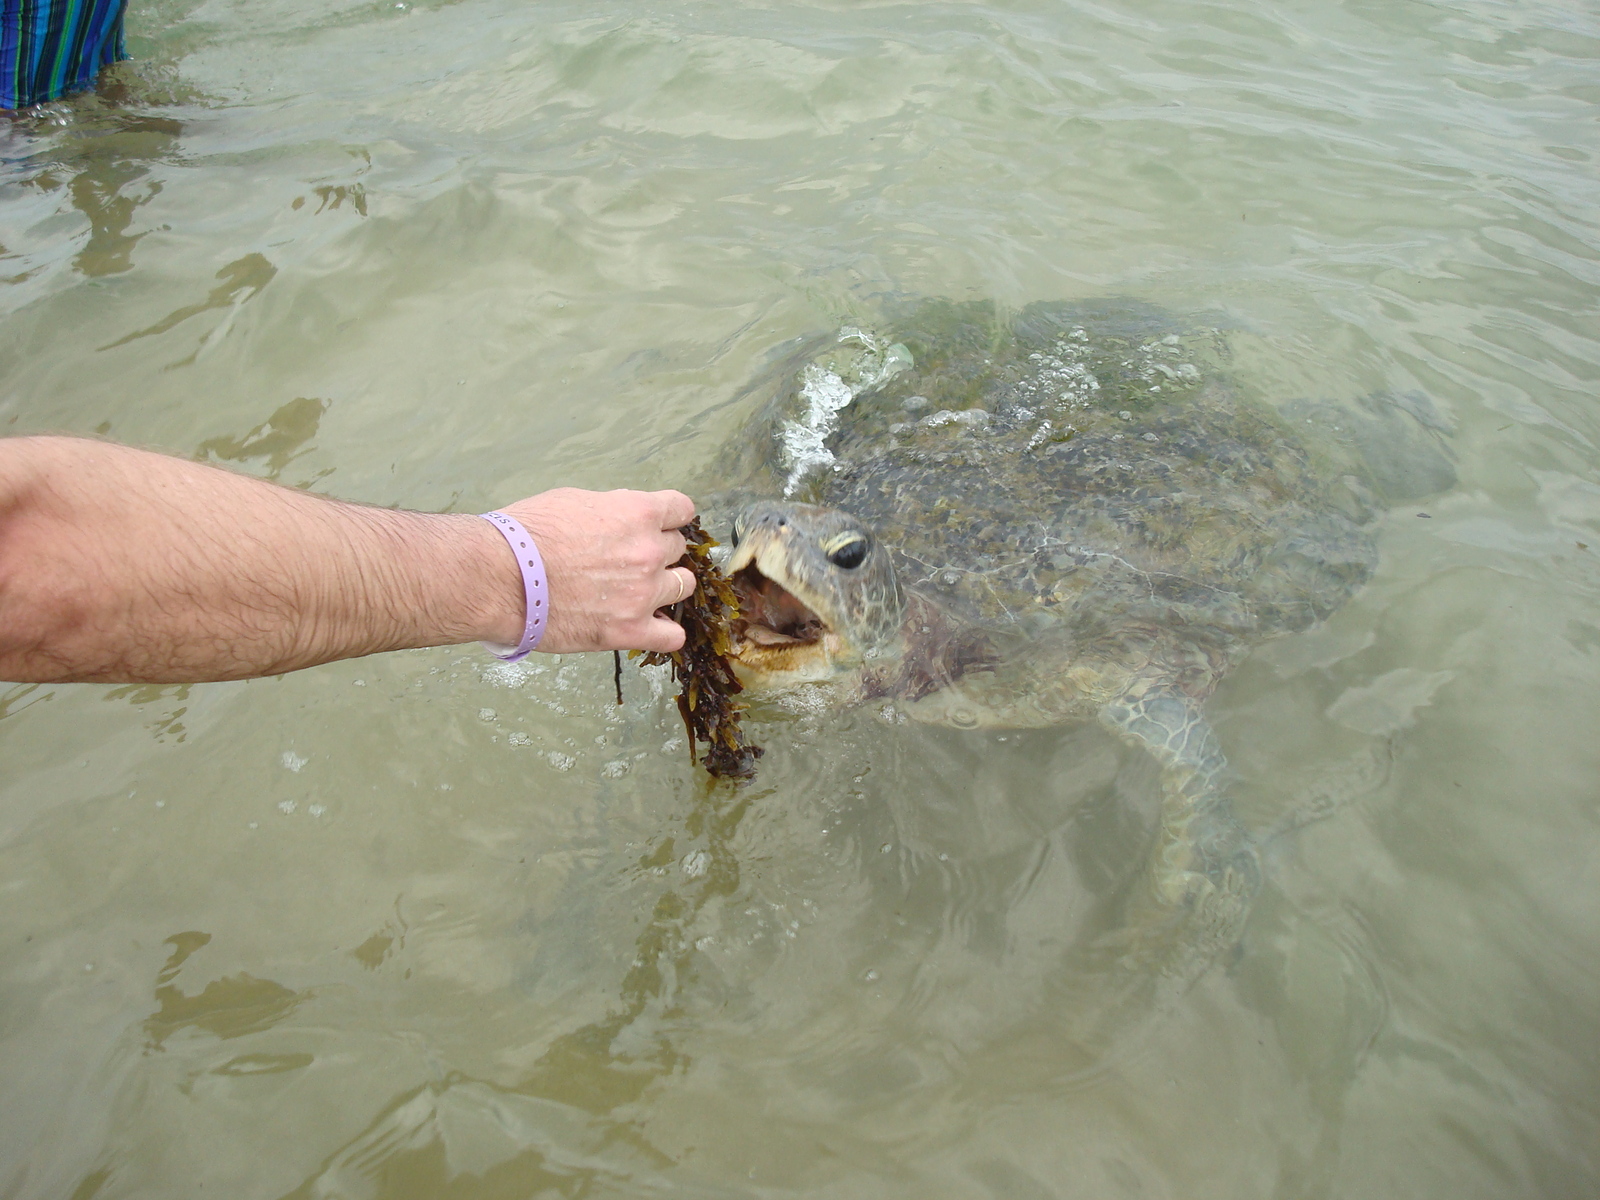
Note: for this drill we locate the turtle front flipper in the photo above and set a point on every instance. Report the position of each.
(1204, 871)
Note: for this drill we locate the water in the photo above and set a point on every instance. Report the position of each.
(423, 926)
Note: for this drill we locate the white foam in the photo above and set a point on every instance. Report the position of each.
(803, 440)
(829, 386)
(506, 674)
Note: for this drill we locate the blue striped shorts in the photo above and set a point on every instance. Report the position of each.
(51, 47)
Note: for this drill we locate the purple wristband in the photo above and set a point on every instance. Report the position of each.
(533, 586)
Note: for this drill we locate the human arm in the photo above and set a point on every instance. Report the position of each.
(121, 565)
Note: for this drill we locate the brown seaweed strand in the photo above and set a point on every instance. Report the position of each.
(705, 678)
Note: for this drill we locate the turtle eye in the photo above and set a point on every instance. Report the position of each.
(849, 551)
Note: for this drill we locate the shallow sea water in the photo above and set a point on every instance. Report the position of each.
(426, 926)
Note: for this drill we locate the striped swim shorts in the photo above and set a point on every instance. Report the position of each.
(51, 47)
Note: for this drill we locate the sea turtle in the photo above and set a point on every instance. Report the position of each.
(1066, 513)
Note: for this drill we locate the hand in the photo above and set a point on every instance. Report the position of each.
(608, 559)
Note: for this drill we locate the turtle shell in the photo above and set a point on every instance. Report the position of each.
(1081, 470)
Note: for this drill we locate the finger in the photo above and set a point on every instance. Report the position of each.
(660, 634)
(675, 508)
(674, 546)
(677, 583)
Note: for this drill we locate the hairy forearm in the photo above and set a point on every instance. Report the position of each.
(123, 565)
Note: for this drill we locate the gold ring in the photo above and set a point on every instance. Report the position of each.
(681, 588)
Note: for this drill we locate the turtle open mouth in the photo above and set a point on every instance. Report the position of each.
(770, 614)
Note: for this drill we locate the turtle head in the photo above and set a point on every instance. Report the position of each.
(817, 594)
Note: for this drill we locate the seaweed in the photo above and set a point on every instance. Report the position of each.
(706, 682)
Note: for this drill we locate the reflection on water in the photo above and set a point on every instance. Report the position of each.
(240, 282)
(434, 925)
(225, 1008)
(168, 724)
(278, 440)
(102, 168)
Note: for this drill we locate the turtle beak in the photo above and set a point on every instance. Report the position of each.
(774, 611)
(740, 556)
